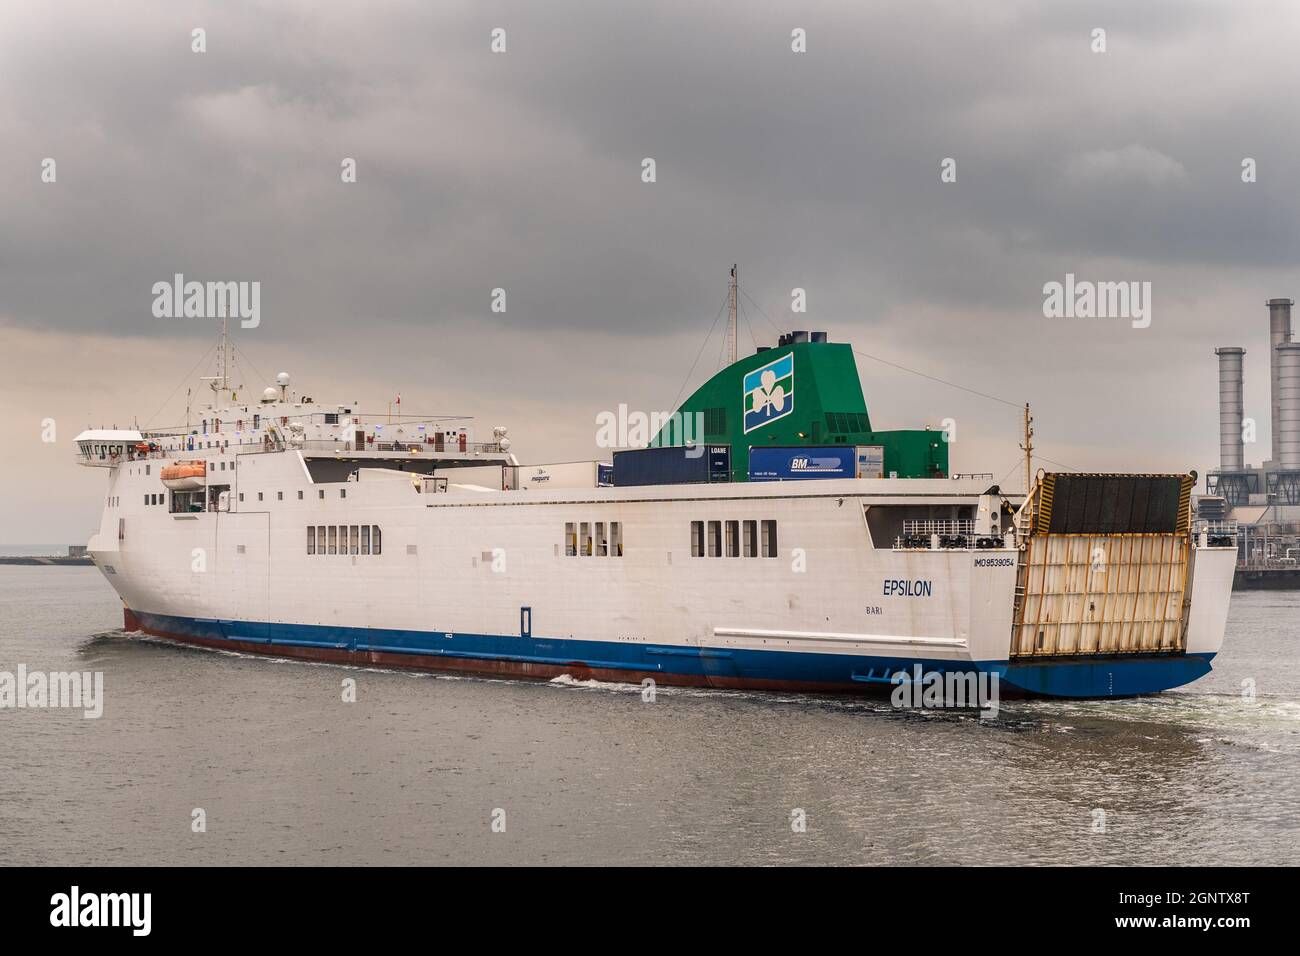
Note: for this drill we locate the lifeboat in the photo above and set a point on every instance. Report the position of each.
(185, 475)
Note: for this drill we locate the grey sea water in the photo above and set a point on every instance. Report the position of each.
(413, 772)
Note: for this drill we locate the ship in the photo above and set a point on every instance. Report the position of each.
(845, 558)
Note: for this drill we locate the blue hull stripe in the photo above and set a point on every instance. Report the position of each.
(1123, 676)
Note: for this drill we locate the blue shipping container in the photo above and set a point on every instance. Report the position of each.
(809, 461)
(676, 465)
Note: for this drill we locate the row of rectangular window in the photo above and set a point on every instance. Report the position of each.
(344, 539)
(279, 495)
(733, 539)
(588, 539)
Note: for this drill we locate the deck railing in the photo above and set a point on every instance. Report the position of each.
(328, 446)
(946, 534)
(943, 526)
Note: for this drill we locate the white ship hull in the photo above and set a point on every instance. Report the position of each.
(483, 581)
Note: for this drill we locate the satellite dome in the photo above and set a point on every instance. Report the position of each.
(269, 394)
(282, 379)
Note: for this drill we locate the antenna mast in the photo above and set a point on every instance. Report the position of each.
(220, 384)
(225, 354)
(732, 336)
(1028, 447)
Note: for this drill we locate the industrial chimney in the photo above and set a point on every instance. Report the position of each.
(1288, 405)
(1279, 328)
(1232, 452)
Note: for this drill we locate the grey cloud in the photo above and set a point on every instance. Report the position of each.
(818, 170)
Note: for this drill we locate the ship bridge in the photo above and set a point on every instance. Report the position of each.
(106, 447)
(334, 441)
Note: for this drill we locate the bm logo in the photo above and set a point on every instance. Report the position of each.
(769, 392)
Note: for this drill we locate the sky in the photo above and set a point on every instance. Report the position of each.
(523, 170)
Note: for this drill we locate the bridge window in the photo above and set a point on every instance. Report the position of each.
(697, 539)
(374, 539)
(570, 539)
(365, 539)
(616, 538)
(715, 539)
(733, 539)
(334, 539)
(602, 544)
(311, 539)
(751, 539)
(769, 539)
(354, 538)
(585, 534)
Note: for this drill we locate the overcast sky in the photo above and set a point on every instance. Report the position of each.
(522, 170)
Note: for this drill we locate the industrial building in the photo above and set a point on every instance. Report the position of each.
(1260, 503)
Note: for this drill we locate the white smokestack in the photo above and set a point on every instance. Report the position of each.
(1288, 405)
(1232, 452)
(1279, 329)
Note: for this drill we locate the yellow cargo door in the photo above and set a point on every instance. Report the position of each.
(1103, 566)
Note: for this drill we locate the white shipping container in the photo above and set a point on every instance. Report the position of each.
(565, 474)
(871, 461)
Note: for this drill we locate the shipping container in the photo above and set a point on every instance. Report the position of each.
(676, 465)
(815, 461)
(564, 474)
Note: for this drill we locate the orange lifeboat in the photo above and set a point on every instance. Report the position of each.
(185, 475)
